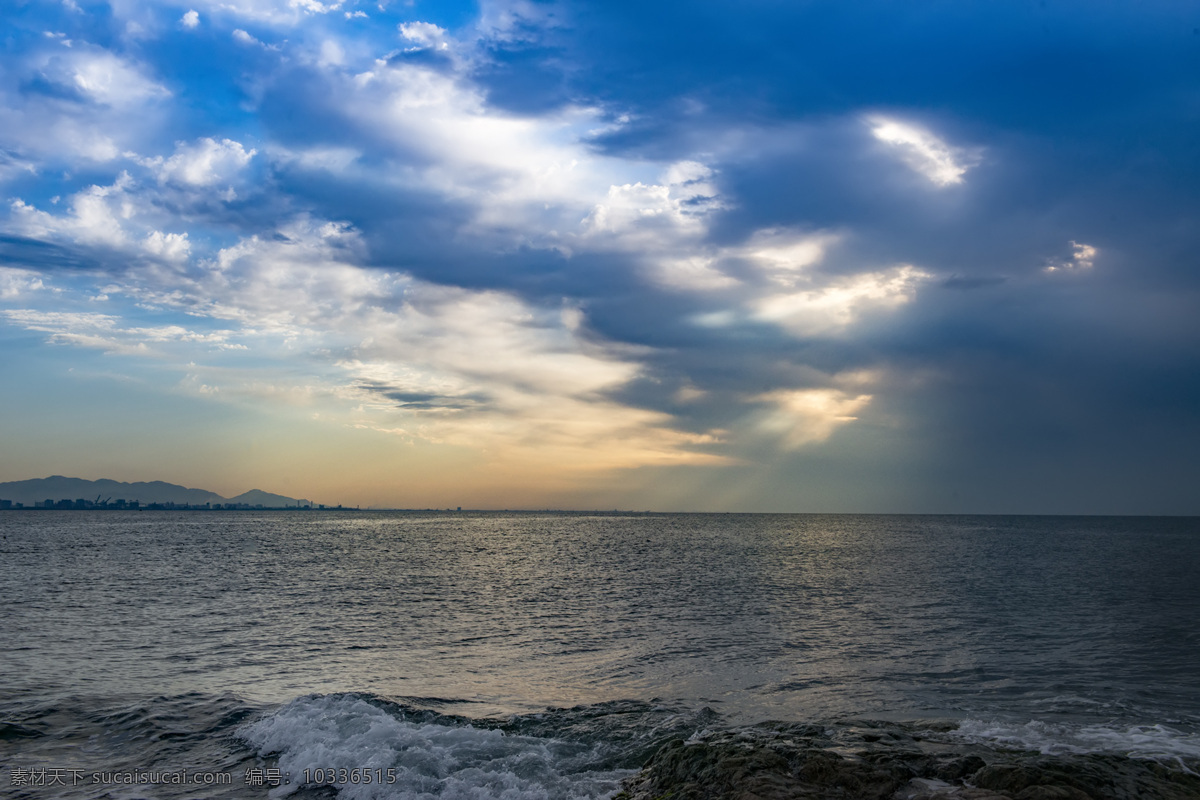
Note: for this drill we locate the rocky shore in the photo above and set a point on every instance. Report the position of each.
(887, 761)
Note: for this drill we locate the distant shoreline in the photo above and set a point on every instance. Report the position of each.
(180, 507)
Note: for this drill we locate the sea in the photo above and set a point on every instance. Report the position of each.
(361, 654)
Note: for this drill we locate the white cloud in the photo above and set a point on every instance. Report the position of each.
(18, 283)
(481, 370)
(206, 162)
(245, 38)
(773, 277)
(12, 166)
(281, 13)
(107, 332)
(425, 35)
(112, 80)
(782, 254)
(835, 303)
(531, 179)
(170, 246)
(690, 273)
(314, 7)
(116, 102)
(663, 224)
(332, 54)
(1083, 257)
(325, 159)
(528, 177)
(629, 206)
(924, 152)
(190, 20)
(97, 215)
(111, 216)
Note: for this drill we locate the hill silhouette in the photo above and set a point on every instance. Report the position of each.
(58, 487)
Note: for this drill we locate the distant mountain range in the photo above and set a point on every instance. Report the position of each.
(56, 487)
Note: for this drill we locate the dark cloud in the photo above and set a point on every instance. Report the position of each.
(426, 401)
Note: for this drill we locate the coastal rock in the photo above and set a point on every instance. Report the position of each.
(883, 761)
(761, 765)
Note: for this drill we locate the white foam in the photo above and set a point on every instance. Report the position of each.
(430, 760)
(1157, 742)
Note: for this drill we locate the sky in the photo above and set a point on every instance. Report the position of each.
(760, 256)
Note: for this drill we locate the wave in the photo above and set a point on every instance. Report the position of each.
(1153, 742)
(362, 746)
(644, 749)
(344, 740)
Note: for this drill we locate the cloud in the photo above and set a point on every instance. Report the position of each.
(206, 162)
(314, 7)
(547, 230)
(519, 21)
(783, 255)
(924, 152)
(106, 332)
(631, 207)
(109, 79)
(13, 166)
(112, 217)
(169, 246)
(97, 215)
(283, 13)
(243, 37)
(800, 417)
(17, 283)
(507, 164)
(837, 303)
(480, 370)
(1083, 257)
(61, 106)
(425, 35)
(474, 364)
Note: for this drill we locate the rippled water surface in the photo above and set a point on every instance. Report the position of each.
(1088, 624)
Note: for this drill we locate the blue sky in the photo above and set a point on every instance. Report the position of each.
(812, 256)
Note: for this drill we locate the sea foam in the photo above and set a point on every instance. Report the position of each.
(432, 756)
(1156, 742)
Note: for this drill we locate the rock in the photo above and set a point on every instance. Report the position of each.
(1051, 793)
(766, 767)
(958, 768)
(929, 789)
(885, 761)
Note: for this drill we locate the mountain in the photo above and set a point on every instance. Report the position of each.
(257, 497)
(57, 487)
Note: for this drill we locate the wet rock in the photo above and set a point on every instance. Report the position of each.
(1102, 777)
(958, 768)
(1051, 793)
(1009, 778)
(883, 761)
(932, 789)
(765, 767)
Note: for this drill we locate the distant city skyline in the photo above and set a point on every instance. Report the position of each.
(817, 257)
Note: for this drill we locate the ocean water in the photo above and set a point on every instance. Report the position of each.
(460, 655)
